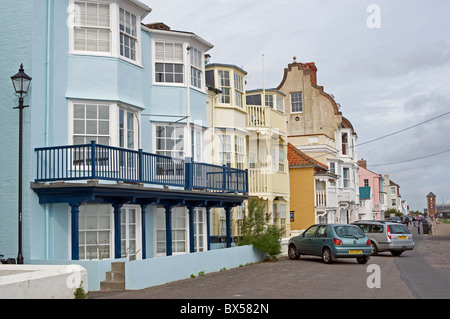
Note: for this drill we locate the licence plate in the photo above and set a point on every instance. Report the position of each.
(355, 251)
(402, 237)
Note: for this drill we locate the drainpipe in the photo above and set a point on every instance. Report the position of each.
(188, 105)
(46, 108)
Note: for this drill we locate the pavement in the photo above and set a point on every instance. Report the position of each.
(245, 282)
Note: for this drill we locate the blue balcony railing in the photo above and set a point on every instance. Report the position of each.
(95, 161)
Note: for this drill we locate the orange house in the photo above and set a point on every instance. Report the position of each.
(302, 170)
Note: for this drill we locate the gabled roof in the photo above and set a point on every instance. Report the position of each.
(431, 195)
(298, 158)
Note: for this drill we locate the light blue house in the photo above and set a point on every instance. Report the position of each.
(114, 167)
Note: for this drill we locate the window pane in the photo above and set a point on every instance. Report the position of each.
(78, 127)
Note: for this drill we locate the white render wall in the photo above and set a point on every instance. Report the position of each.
(41, 281)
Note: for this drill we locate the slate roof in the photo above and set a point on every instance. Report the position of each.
(298, 158)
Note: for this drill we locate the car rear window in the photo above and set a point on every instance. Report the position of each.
(370, 228)
(399, 229)
(348, 231)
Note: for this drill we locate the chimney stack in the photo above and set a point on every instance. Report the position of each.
(362, 163)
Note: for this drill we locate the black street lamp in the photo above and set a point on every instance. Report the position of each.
(21, 82)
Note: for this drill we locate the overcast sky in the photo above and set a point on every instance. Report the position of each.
(388, 74)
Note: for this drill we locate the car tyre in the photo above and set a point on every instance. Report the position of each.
(374, 251)
(292, 252)
(396, 253)
(362, 260)
(327, 256)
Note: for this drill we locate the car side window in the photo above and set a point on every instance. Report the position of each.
(322, 231)
(377, 229)
(310, 231)
(364, 227)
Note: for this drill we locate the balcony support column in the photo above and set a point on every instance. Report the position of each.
(228, 225)
(117, 231)
(208, 242)
(144, 246)
(74, 212)
(168, 209)
(191, 229)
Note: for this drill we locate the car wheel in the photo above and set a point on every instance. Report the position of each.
(362, 260)
(292, 252)
(374, 251)
(396, 253)
(326, 256)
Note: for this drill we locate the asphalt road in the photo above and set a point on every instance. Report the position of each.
(422, 273)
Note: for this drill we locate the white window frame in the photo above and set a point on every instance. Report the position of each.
(239, 152)
(224, 83)
(179, 144)
(103, 211)
(177, 214)
(200, 238)
(299, 107)
(280, 104)
(197, 65)
(132, 36)
(239, 90)
(169, 57)
(114, 27)
(346, 179)
(225, 149)
(127, 224)
(114, 129)
(134, 130)
(71, 133)
(269, 100)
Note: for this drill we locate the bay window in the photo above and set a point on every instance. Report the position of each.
(105, 29)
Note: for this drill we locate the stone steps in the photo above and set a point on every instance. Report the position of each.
(115, 279)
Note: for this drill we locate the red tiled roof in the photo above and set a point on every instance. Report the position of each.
(298, 158)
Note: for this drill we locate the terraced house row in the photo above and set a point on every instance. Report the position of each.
(137, 148)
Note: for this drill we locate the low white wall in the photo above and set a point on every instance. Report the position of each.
(157, 271)
(41, 281)
(96, 268)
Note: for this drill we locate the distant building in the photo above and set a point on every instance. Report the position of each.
(394, 200)
(431, 204)
(372, 199)
(316, 126)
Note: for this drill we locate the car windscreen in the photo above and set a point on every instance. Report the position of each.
(399, 229)
(348, 231)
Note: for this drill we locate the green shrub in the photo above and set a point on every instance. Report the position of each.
(257, 232)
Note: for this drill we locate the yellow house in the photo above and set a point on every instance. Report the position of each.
(305, 182)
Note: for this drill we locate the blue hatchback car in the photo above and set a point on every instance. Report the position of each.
(331, 241)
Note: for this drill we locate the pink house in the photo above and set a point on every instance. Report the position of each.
(371, 199)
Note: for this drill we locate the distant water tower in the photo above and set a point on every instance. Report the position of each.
(431, 204)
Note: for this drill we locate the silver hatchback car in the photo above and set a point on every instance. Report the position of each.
(387, 236)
